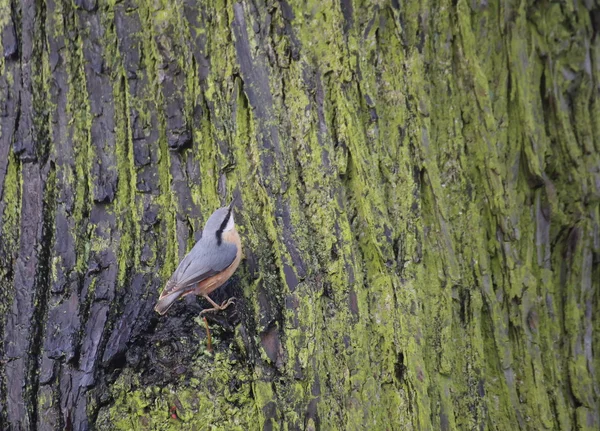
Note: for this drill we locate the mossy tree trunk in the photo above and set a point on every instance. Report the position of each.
(419, 190)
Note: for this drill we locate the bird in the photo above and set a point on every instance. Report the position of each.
(208, 265)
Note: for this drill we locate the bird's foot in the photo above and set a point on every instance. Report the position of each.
(227, 303)
(217, 307)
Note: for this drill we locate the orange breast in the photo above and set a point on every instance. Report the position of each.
(208, 285)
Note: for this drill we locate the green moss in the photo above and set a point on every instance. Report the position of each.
(207, 400)
(11, 198)
(126, 208)
(9, 229)
(4, 20)
(418, 151)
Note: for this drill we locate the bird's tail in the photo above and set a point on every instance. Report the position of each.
(165, 302)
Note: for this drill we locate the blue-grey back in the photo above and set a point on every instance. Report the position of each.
(205, 259)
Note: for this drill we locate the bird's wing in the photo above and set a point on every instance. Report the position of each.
(202, 262)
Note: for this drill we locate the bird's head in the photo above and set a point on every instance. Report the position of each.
(220, 221)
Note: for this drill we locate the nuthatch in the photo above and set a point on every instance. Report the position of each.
(211, 262)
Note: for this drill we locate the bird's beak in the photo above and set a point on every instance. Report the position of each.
(233, 201)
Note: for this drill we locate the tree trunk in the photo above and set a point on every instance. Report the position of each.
(419, 188)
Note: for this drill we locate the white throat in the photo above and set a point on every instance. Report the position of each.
(230, 223)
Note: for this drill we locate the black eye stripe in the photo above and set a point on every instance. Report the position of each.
(222, 227)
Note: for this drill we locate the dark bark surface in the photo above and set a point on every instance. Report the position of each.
(418, 184)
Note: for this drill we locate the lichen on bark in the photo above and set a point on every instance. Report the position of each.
(418, 190)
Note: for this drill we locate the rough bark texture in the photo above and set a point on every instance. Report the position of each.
(419, 190)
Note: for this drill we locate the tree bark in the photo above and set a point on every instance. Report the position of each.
(419, 188)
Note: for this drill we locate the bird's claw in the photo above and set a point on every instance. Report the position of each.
(227, 303)
(223, 306)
